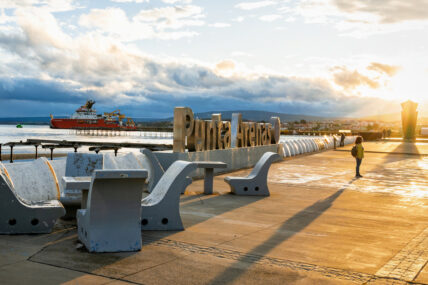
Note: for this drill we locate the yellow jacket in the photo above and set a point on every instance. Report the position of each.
(360, 151)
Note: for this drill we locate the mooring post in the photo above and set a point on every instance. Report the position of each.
(115, 151)
(36, 146)
(0, 151)
(52, 149)
(75, 147)
(11, 153)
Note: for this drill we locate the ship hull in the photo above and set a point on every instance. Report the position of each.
(87, 124)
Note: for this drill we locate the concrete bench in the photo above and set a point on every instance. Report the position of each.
(254, 184)
(111, 221)
(79, 165)
(58, 166)
(209, 173)
(161, 209)
(126, 161)
(34, 180)
(156, 169)
(80, 183)
(21, 216)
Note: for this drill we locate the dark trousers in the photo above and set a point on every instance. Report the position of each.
(358, 166)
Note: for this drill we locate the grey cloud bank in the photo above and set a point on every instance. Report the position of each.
(50, 66)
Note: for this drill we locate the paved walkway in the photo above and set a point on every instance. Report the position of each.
(319, 226)
(418, 148)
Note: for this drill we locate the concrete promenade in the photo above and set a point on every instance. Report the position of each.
(319, 226)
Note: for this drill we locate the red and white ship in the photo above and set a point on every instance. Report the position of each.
(87, 118)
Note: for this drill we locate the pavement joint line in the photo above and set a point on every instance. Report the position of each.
(409, 262)
(157, 265)
(331, 272)
(85, 272)
(51, 243)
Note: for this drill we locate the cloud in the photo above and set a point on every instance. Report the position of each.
(387, 11)
(170, 14)
(4, 18)
(254, 5)
(220, 25)
(241, 53)
(225, 65)
(362, 18)
(177, 1)
(270, 18)
(67, 69)
(350, 79)
(130, 1)
(161, 23)
(390, 70)
(48, 5)
(41, 29)
(238, 19)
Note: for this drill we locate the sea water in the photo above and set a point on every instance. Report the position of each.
(10, 133)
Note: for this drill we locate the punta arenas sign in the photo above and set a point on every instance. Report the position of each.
(217, 134)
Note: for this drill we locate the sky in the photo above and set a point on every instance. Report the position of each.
(335, 58)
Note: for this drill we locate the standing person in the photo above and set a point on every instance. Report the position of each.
(342, 139)
(360, 155)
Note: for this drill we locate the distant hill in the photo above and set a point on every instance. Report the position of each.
(389, 118)
(25, 120)
(384, 118)
(259, 116)
(247, 115)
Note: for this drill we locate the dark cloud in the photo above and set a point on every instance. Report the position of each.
(32, 97)
(34, 90)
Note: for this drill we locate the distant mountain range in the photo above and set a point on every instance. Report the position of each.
(247, 115)
(389, 118)
(385, 117)
(259, 116)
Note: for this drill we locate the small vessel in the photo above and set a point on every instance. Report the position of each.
(86, 117)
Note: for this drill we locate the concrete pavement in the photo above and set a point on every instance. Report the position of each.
(319, 226)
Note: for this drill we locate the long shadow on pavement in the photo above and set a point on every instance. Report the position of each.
(63, 253)
(291, 227)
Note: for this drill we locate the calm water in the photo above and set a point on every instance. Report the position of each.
(9, 133)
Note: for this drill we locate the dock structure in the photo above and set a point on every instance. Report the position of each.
(93, 146)
(151, 132)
